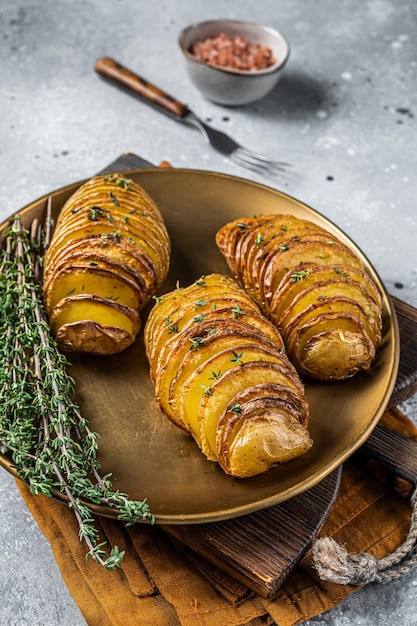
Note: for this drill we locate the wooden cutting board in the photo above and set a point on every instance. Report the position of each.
(260, 550)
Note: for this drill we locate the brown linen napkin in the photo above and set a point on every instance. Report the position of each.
(161, 584)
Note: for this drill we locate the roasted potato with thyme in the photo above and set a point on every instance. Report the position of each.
(221, 373)
(312, 286)
(109, 254)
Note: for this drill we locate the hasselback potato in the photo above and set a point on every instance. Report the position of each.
(312, 286)
(109, 254)
(221, 373)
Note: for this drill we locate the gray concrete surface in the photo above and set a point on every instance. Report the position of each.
(344, 114)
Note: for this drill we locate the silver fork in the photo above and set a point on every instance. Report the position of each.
(218, 140)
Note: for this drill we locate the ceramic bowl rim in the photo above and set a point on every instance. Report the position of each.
(277, 66)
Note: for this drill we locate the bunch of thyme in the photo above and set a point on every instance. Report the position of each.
(41, 428)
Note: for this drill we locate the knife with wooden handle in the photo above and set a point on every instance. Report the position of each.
(112, 69)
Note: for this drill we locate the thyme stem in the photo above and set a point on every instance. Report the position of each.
(41, 427)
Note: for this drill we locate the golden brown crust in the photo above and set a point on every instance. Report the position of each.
(110, 243)
(210, 349)
(312, 286)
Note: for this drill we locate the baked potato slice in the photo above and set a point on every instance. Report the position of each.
(198, 332)
(200, 383)
(117, 220)
(101, 281)
(147, 243)
(256, 265)
(332, 342)
(89, 323)
(302, 277)
(202, 356)
(324, 294)
(102, 233)
(304, 252)
(276, 391)
(262, 434)
(310, 284)
(248, 234)
(192, 313)
(183, 363)
(258, 238)
(339, 305)
(182, 310)
(117, 253)
(110, 244)
(229, 239)
(112, 193)
(93, 262)
(224, 391)
(137, 265)
(176, 371)
(82, 224)
(173, 305)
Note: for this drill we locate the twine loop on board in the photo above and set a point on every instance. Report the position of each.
(333, 562)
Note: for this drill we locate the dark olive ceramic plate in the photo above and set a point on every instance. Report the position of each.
(147, 455)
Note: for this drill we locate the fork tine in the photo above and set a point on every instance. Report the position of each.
(256, 167)
(241, 155)
(261, 158)
(274, 168)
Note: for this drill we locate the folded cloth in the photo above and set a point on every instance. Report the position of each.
(162, 584)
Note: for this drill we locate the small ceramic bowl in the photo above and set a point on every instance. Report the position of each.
(229, 86)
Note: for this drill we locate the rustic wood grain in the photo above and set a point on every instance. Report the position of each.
(406, 384)
(261, 549)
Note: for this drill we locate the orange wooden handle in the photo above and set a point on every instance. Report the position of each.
(111, 69)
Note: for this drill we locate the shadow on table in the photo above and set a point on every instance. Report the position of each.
(298, 96)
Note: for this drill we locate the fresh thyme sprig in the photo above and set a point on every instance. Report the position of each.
(42, 430)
